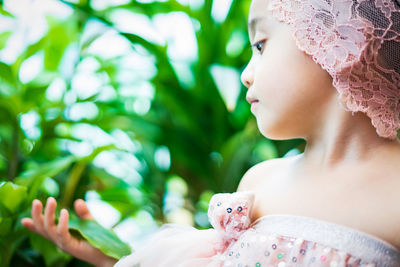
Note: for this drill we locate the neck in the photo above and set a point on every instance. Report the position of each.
(345, 140)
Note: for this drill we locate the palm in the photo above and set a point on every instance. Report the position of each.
(60, 235)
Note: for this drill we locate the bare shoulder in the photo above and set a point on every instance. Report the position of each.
(253, 175)
(261, 171)
(263, 176)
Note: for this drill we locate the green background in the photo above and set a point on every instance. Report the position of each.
(153, 135)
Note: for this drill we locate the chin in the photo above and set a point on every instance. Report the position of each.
(275, 136)
(275, 132)
(270, 132)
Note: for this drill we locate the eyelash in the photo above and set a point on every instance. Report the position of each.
(257, 43)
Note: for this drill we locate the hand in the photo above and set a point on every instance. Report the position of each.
(59, 234)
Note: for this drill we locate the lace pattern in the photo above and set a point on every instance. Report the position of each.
(281, 240)
(289, 240)
(358, 44)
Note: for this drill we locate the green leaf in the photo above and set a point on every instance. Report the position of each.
(104, 239)
(3, 38)
(6, 73)
(48, 169)
(3, 12)
(5, 226)
(34, 178)
(12, 196)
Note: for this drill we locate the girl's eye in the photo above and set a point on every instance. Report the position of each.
(259, 45)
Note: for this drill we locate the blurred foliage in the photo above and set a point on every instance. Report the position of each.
(136, 148)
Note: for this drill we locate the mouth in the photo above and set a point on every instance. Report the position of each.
(251, 100)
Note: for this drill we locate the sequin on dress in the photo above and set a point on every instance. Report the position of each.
(272, 240)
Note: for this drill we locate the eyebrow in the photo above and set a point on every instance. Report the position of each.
(253, 22)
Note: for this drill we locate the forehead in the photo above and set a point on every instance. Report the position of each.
(258, 6)
(258, 12)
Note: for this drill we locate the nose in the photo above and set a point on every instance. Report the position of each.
(247, 76)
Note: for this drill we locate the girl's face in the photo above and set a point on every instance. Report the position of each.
(292, 90)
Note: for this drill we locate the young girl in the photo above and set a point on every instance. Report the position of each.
(336, 204)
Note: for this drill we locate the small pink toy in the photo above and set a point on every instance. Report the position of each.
(229, 214)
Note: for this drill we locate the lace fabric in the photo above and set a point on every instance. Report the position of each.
(281, 240)
(286, 240)
(358, 44)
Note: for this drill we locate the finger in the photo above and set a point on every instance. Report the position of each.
(82, 209)
(62, 230)
(28, 223)
(38, 217)
(49, 217)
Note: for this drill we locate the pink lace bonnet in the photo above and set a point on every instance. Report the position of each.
(358, 43)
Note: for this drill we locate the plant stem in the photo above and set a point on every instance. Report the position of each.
(12, 168)
(72, 183)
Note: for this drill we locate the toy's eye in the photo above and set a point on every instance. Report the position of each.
(229, 210)
(239, 209)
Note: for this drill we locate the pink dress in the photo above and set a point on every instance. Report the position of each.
(272, 240)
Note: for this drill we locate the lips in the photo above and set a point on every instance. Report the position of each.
(251, 99)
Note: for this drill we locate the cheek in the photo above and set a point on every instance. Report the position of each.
(286, 76)
(290, 85)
